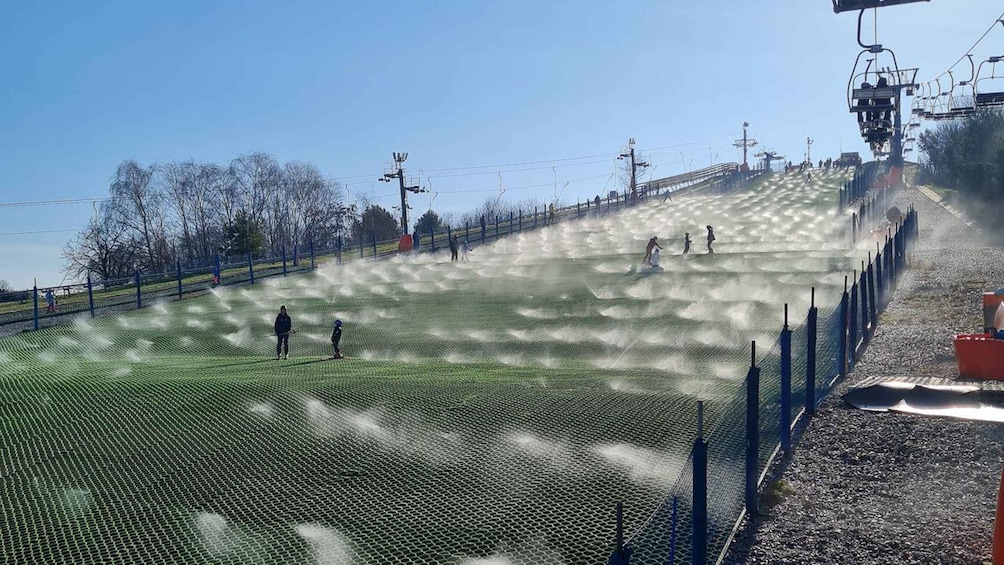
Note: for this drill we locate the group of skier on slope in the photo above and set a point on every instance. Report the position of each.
(651, 257)
(284, 327)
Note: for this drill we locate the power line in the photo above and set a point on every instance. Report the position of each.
(36, 232)
(970, 50)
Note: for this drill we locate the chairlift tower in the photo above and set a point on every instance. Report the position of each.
(628, 153)
(745, 143)
(769, 157)
(397, 172)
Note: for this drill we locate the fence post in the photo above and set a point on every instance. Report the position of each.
(218, 274)
(250, 267)
(622, 554)
(844, 328)
(373, 236)
(283, 259)
(496, 226)
(179, 280)
(521, 220)
(752, 433)
(672, 535)
(139, 293)
(810, 361)
(863, 304)
(90, 295)
(510, 222)
(296, 255)
(535, 216)
(872, 306)
(699, 543)
(578, 208)
(432, 239)
(360, 244)
(339, 251)
(852, 345)
(467, 232)
(854, 228)
(34, 303)
(786, 385)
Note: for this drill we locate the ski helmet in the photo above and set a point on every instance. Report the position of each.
(338, 323)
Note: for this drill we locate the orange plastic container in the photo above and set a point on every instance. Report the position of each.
(980, 356)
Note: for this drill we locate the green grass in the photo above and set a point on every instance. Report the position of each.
(499, 407)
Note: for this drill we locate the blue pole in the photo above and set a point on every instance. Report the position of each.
(283, 259)
(496, 226)
(373, 235)
(810, 361)
(296, 255)
(699, 543)
(752, 433)
(786, 385)
(217, 272)
(34, 302)
(852, 328)
(863, 305)
(179, 279)
(672, 535)
(872, 306)
(432, 239)
(90, 295)
(250, 267)
(312, 252)
(521, 220)
(139, 293)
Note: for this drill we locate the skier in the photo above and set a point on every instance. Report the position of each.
(464, 250)
(654, 262)
(283, 327)
(336, 336)
(454, 247)
(686, 243)
(652, 244)
(711, 239)
(50, 301)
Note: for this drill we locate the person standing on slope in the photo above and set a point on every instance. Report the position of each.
(652, 244)
(711, 239)
(336, 337)
(283, 327)
(454, 248)
(686, 243)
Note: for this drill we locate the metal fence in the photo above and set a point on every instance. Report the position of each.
(727, 466)
(94, 296)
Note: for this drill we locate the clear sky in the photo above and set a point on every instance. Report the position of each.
(454, 83)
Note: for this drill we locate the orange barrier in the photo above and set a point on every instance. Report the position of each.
(405, 243)
(998, 547)
(980, 357)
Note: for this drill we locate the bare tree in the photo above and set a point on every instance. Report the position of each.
(103, 248)
(136, 204)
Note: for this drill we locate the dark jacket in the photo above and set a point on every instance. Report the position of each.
(454, 244)
(336, 336)
(283, 324)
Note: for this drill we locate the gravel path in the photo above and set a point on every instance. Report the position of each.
(868, 488)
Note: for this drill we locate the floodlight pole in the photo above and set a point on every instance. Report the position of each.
(629, 154)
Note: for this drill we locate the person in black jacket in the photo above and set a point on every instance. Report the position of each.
(336, 337)
(283, 327)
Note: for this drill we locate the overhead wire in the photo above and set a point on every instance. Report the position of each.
(970, 50)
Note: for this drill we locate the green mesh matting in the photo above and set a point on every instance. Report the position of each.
(489, 412)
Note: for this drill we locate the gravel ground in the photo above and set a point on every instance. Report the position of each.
(864, 487)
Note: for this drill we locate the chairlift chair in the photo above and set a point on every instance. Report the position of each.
(851, 5)
(988, 93)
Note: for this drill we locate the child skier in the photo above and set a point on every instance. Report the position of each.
(686, 243)
(336, 336)
(711, 239)
(654, 261)
(464, 250)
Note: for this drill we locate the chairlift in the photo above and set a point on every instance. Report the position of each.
(964, 104)
(851, 5)
(989, 93)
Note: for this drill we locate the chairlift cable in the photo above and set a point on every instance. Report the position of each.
(975, 45)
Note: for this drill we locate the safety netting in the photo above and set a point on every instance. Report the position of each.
(491, 410)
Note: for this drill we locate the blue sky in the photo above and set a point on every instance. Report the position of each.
(454, 83)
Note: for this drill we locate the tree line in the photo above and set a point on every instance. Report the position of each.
(190, 212)
(967, 156)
